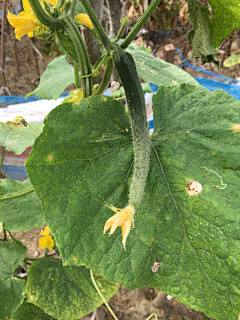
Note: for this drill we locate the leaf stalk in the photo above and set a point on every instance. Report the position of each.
(2, 157)
(15, 195)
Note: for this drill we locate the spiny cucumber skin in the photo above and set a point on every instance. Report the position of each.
(127, 71)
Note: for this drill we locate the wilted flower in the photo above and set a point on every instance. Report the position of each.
(123, 218)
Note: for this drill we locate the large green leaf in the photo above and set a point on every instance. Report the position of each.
(20, 214)
(12, 290)
(55, 79)
(196, 238)
(29, 311)
(16, 137)
(210, 30)
(65, 292)
(158, 71)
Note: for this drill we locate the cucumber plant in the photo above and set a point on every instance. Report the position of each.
(92, 159)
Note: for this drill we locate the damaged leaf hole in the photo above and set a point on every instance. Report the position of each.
(193, 188)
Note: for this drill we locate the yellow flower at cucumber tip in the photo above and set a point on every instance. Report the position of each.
(84, 19)
(46, 240)
(25, 22)
(123, 218)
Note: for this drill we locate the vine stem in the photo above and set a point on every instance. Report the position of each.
(2, 157)
(33, 129)
(82, 54)
(105, 80)
(22, 193)
(102, 297)
(107, 305)
(138, 26)
(97, 26)
(76, 73)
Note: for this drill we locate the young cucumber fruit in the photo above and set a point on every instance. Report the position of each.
(127, 71)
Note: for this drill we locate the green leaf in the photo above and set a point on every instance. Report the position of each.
(209, 31)
(16, 137)
(80, 8)
(12, 290)
(158, 71)
(65, 292)
(67, 45)
(29, 311)
(233, 60)
(21, 214)
(55, 79)
(196, 238)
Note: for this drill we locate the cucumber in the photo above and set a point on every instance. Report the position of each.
(127, 71)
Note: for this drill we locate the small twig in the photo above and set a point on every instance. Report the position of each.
(16, 59)
(4, 71)
(10, 48)
(38, 52)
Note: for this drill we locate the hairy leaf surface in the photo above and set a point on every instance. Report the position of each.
(12, 290)
(29, 311)
(82, 163)
(65, 292)
(210, 30)
(55, 79)
(20, 214)
(16, 137)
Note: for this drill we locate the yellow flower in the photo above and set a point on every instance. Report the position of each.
(47, 240)
(77, 95)
(24, 23)
(123, 218)
(45, 232)
(84, 19)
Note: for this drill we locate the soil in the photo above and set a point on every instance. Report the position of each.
(23, 69)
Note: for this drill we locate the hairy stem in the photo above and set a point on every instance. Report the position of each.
(76, 74)
(105, 80)
(83, 58)
(99, 29)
